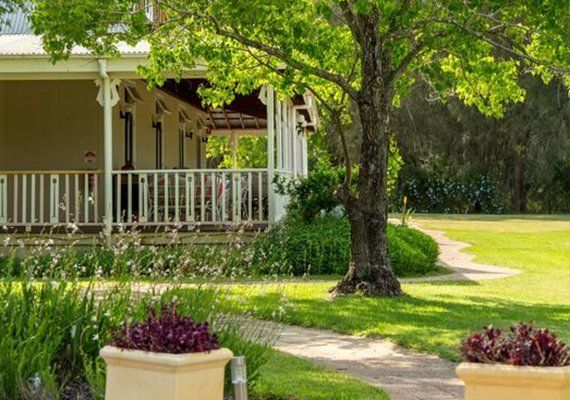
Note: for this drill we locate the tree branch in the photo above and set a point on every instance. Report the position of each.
(495, 44)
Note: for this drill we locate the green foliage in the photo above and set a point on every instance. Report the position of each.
(52, 332)
(522, 154)
(316, 248)
(251, 151)
(316, 194)
(433, 192)
(295, 44)
(310, 196)
(323, 247)
(406, 259)
(418, 239)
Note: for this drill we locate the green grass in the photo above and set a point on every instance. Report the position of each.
(436, 316)
(286, 377)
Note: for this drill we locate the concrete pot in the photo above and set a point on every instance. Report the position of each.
(508, 382)
(141, 375)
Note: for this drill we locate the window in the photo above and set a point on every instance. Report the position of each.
(183, 133)
(199, 152)
(127, 114)
(160, 110)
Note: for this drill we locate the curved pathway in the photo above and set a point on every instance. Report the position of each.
(404, 374)
(464, 268)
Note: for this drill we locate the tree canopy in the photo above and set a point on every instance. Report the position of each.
(470, 49)
(360, 58)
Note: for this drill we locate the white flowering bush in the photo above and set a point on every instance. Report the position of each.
(189, 258)
(431, 193)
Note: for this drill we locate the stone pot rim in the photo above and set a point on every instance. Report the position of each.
(506, 375)
(112, 355)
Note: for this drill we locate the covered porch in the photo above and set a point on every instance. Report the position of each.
(84, 145)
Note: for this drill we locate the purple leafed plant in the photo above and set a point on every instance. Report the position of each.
(523, 345)
(166, 332)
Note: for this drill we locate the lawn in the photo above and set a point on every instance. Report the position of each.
(437, 315)
(286, 377)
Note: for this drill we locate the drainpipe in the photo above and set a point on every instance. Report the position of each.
(107, 151)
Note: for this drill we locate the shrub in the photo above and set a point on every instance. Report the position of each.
(405, 258)
(323, 247)
(524, 345)
(315, 194)
(418, 239)
(52, 332)
(166, 332)
(438, 192)
(310, 196)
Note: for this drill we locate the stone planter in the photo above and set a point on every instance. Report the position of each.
(507, 382)
(135, 374)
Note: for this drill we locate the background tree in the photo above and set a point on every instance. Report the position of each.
(524, 154)
(359, 57)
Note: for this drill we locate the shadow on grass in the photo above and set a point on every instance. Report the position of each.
(436, 325)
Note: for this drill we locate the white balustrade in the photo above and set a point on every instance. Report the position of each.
(190, 197)
(140, 197)
(42, 198)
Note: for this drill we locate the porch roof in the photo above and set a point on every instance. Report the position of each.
(246, 113)
(31, 45)
(22, 56)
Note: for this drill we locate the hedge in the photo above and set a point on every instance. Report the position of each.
(322, 247)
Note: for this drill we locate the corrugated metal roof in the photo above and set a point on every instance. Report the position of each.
(31, 45)
(16, 23)
(17, 39)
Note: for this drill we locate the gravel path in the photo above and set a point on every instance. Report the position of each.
(402, 373)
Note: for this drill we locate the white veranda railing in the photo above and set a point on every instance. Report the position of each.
(39, 198)
(140, 197)
(198, 196)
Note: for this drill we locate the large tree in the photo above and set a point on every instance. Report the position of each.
(359, 58)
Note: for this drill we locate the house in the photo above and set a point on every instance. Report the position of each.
(85, 143)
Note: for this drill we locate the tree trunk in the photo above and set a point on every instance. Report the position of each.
(370, 272)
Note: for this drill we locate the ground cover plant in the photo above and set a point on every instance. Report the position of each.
(436, 316)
